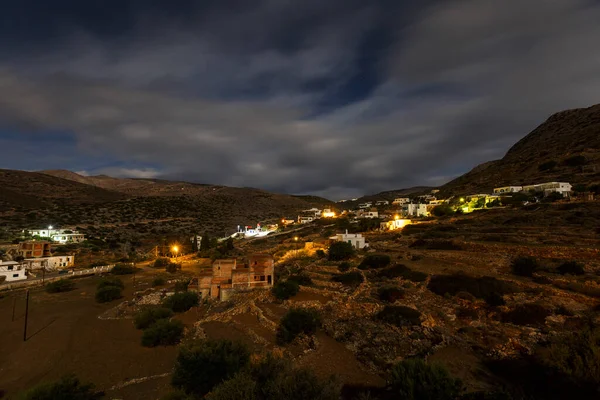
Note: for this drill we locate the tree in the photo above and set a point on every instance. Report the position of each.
(413, 379)
(339, 251)
(163, 332)
(202, 365)
(205, 243)
(442, 210)
(286, 289)
(59, 286)
(68, 388)
(297, 321)
(181, 301)
(148, 316)
(108, 293)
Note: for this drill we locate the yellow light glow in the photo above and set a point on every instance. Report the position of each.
(329, 214)
(296, 238)
(175, 249)
(396, 217)
(462, 199)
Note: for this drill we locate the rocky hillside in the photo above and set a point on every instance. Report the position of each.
(564, 148)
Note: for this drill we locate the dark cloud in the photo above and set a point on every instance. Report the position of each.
(335, 98)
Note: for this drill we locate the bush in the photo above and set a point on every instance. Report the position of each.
(571, 268)
(481, 288)
(297, 321)
(181, 301)
(339, 251)
(158, 282)
(301, 279)
(390, 293)
(435, 245)
(109, 281)
(161, 262)
(286, 289)
(402, 271)
(399, 316)
(321, 253)
(416, 380)
(524, 266)
(163, 332)
(375, 261)
(575, 161)
(442, 210)
(495, 299)
(354, 278)
(274, 378)
(149, 316)
(68, 388)
(59, 286)
(200, 366)
(182, 286)
(172, 267)
(108, 293)
(123, 269)
(344, 266)
(548, 165)
(530, 314)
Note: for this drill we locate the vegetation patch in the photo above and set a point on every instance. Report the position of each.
(69, 387)
(354, 278)
(524, 266)
(390, 294)
(374, 261)
(150, 315)
(402, 271)
(123, 269)
(435, 244)
(109, 281)
(301, 279)
(530, 314)
(181, 301)
(283, 290)
(297, 321)
(344, 266)
(108, 293)
(571, 268)
(414, 379)
(59, 286)
(400, 316)
(339, 251)
(486, 287)
(158, 282)
(163, 332)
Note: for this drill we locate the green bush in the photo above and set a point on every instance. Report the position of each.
(123, 269)
(163, 332)
(571, 268)
(67, 388)
(283, 290)
(181, 301)
(339, 251)
(297, 321)
(402, 271)
(354, 278)
(301, 279)
(108, 293)
(390, 293)
(375, 261)
(524, 266)
(110, 281)
(202, 365)
(59, 286)
(161, 262)
(530, 314)
(158, 282)
(149, 316)
(399, 316)
(481, 288)
(344, 266)
(414, 379)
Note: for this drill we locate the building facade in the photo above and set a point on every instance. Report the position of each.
(563, 188)
(355, 239)
(35, 248)
(508, 189)
(416, 210)
(50, 263)
(12, 271)
(400, 201)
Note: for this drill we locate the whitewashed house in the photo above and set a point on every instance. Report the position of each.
(368, 204)
(382, 203)
(416, 210)
(563, 188)
(355, 239)
(303, 219)
(64, 238)
(13, 271)
(372, 213)
(508, 189)
(50, 263)
(400, 201)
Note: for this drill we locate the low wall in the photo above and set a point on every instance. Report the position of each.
(71, 275)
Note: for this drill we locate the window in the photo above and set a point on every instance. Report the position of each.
(10, 267)
(262, 278)
(15, 275)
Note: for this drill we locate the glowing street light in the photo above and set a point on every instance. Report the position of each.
(175, 250)
(396, 217)
(462, 199)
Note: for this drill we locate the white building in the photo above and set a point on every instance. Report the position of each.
(401, 200)
(416, 210)
(368, 204)
(50, 263)
(68, 238)
(305, 219)
(563, 188)
(12, 270)
(382, 203)
(508, 189)
(355, 239)
(373, 213)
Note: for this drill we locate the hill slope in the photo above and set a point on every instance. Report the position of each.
(566, 147)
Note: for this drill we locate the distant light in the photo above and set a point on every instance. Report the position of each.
(462, 199)
(50, 227)
(396, 217)
(296, 238)
(175, 249)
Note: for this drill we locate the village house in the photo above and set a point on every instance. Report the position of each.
(286, 221)
(62, 236)
(400, 201)
(415, 210)
(355, 239)
(508, 189)
(303, 219)
(563, 188)
(50, 263)
(382, 203)
(229, 275)
(35, 248)
(396, 223)
(12, 271)
(65, 238)
(368, 204)
(328, 213)
(372, 213)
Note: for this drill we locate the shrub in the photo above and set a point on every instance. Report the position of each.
(149, 316)
(495, 299)
(109, 281)
(158, 282)
(527, 314)
(571, 268)
(161, 262)
(442, 210)
(163, 332)
(399, 316)
(297, 321)
(575, 161)
(172, 267)
(301, 279)
(202, 365)
(285, 289)
(339, 251)
(435, 245)
(59, 286)
(182, 286)
(321, 253)
(68, 387)
(354, 278)
(481, 288)
(390, 293)
(108, 293)
(344, 266)
(547, 166)
(181, 301)
(415, 380)
(123, 269)
(400, 270)
(524, 266)
(375, 261)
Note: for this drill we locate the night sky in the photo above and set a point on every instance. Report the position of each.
(329, 97)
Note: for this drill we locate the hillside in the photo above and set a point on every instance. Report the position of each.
(388, 195)
(566, 147)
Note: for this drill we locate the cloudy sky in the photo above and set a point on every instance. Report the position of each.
(336, 98)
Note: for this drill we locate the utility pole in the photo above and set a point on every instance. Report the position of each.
(26, 315)
(14, 306)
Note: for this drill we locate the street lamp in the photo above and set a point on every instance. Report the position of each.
(175, 250)
(296, 240)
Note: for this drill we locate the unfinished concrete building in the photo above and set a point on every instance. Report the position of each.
(229, 275)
